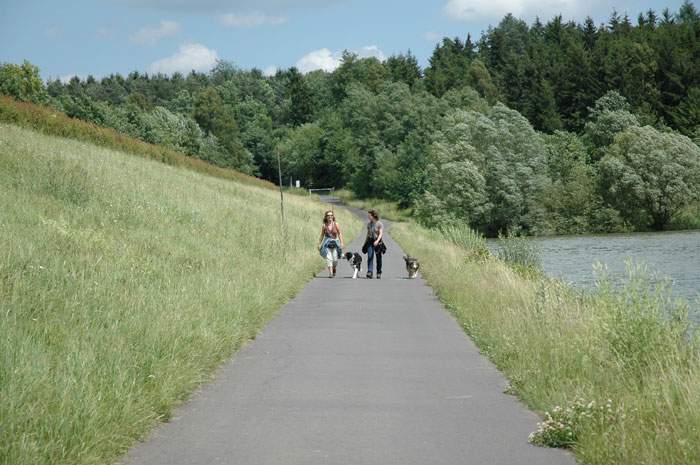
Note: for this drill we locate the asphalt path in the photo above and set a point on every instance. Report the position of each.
(353, 372)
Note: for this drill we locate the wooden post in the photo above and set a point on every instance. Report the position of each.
(283, 224)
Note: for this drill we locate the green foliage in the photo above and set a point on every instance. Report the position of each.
(608, 117)
(650, 175)
(573, 200)
(404, 68)
(22, 82)
(300, 100)
(216, 118)
(301, 152)
(488, 170)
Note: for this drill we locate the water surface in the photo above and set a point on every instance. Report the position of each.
(670, 255)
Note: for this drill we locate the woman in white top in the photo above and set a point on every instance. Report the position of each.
(330, 243)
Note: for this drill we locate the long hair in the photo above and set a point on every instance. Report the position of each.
(327, 215)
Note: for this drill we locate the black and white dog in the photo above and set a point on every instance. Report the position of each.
(355, 260)
(412, 266)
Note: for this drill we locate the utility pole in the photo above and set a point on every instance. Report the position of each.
(284, 224)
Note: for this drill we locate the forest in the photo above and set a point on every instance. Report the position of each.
(544, 128)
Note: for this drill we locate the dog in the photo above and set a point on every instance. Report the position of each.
(355, 260)
(412, 266)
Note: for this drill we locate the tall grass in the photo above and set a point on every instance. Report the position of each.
(562, 350)
(123, 284)
(519, 252)
(54, 123)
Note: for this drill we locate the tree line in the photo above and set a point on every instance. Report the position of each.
(544, 128)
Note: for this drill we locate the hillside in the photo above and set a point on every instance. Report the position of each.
(123, 283)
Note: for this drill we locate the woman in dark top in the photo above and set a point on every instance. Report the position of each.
(373, 243)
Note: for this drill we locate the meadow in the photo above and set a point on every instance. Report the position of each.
(616, 373)
(124, 283)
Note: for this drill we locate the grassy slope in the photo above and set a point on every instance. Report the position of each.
(54, 123)
(556, 346)
(123, 283)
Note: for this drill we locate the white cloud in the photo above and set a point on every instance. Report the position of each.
(479, 10)
(370, 51)
(270, 71)
(318, 59)
(328, 61)
(190, 57)
(152, 34)
(252, 19)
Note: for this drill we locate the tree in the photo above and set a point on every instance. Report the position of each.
(609, 116)
(216, 118)
(650, 175)
(448, 66)
(404, 68)
(301, 101)
(301, 151)
(22, 82)
(480, 79)
(496, 165)
(687, 115)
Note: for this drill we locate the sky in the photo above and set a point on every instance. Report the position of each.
(101, 37)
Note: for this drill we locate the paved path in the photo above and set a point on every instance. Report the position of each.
(354, 372)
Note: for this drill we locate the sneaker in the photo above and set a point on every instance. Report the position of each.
(369, 275)
(379, 276)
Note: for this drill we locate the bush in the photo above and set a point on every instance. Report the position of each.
(650, 175)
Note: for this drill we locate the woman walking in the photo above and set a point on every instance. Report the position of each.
(330, 243)
(374, 244)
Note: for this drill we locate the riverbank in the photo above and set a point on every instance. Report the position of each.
(566, 349)
(124, 282)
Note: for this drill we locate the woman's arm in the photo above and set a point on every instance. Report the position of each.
(320, 239)
(379, 236)
(340, 236)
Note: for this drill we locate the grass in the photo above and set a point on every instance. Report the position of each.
(386, 208)
(54, 123)
(618, 378)
(124, 283)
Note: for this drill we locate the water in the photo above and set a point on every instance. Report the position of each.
(669, 255)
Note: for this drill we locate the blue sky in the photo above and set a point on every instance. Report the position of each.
(100, 37)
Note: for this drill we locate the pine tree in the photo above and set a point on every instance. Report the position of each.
(299, 95)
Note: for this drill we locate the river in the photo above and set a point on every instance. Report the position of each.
(669, 255)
